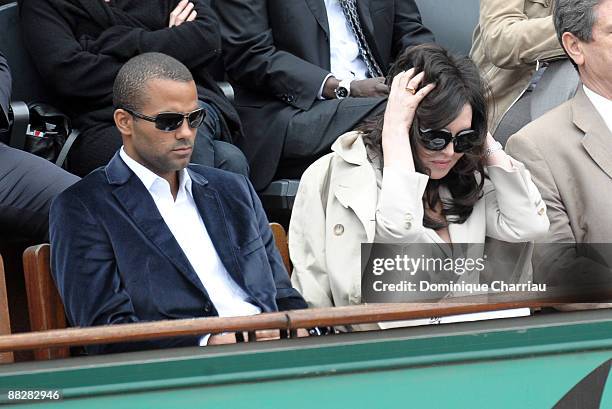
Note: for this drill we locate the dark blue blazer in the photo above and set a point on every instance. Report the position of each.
(115, 260)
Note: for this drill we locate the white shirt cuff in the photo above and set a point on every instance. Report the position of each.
(204, 340)
(320, 94)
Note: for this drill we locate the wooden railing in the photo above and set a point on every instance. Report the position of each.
(288, 320)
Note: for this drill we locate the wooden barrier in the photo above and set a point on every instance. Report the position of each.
(5, 321)
(360, 314)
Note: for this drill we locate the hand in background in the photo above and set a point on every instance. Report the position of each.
(183, 12)
(370, 87)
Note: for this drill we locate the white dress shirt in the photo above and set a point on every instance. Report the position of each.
(184, 221)
(345, 60)
(602, 105)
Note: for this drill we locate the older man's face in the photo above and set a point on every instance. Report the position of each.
(596, 72)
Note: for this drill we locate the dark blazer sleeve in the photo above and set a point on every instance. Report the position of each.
(287, 297)
(252, 59)
(408, 28)
(195, 43)
(86, 275)
(5, 92)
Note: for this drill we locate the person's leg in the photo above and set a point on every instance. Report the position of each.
(94, 147)
(229, 157)
(311, 133)
(28, 184)
(211, 152)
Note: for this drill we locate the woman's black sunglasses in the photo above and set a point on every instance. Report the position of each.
(171, 121)
(438, 139)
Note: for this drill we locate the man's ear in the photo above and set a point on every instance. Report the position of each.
(573, 48)
(123, 121)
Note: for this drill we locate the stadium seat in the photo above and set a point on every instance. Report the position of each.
(27, 84)
(44, 303)
(5, 322)
(557, 84)
(451, 21)
(280, 239)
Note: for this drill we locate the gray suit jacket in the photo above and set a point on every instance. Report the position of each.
(569, 153)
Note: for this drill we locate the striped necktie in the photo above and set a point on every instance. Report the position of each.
(350, 12)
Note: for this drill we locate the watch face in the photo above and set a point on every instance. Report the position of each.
(341, 92)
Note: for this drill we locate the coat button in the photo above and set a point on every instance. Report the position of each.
(207, 308)
(541, 211)
(290, 98)
(338, 229)
(408, 217)
(408, 225)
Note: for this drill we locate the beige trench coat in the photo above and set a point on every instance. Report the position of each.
(339, 206)
(511, 36)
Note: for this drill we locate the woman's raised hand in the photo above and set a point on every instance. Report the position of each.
(404, 98)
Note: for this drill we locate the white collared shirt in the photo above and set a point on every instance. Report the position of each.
(345, 60)
(602, 105)
(184, 221)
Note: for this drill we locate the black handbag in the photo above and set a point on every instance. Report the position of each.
(48, 134)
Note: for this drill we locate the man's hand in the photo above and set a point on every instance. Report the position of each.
(222, 339)
(370, 87)
(183, 12)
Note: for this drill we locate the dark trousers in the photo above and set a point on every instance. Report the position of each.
(28, 184)
(97, 145)
(311, 133)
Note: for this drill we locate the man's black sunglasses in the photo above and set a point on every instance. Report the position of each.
(438, 139)
(171, 121)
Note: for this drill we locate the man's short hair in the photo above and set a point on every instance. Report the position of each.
(130, 84)
(576, 17)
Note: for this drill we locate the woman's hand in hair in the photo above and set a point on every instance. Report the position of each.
(404, 98)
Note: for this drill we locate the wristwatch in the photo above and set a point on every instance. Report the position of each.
(343, 90)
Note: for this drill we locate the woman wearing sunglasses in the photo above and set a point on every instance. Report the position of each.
(412, 175)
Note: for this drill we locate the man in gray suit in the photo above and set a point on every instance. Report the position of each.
(569, 149)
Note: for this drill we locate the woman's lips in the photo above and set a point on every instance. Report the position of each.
(443, 164)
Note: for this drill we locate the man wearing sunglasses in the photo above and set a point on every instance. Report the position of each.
(151, 237)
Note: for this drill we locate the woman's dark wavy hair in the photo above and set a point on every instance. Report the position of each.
(458, 82)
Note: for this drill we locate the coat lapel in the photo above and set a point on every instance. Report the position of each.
(597, 139)
(320, 14)
(140, 207)
(354, 183)
(209, 206)
(352, 190)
